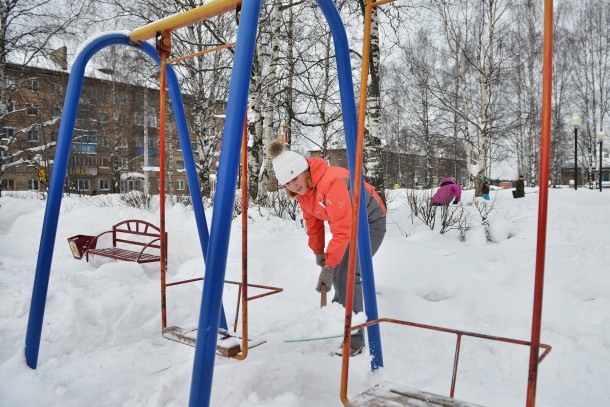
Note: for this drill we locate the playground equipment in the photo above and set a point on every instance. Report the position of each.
(226, 344)
(128, 232)
(383, 393)
(215, 245)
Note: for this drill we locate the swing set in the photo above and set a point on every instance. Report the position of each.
(214, 245)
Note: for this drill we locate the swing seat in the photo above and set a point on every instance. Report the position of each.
(227, 345)
(387, 394)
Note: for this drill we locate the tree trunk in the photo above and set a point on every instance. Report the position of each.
(373, 164)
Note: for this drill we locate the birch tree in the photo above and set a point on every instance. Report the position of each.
(420, 60)
(476, 30)
(593, 58)
(373, 161)
(271, 97)
(563, 47)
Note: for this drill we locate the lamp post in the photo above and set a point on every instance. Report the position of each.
(575, 121)
(600, 139)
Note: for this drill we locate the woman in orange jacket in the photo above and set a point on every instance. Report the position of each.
(323, 195)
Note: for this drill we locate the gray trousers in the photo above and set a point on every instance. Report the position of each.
(376, 232)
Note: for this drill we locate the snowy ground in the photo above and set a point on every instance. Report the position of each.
(101, 343)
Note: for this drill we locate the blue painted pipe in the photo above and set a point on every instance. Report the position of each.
(58, 175)
(350, 123)
(205, 350)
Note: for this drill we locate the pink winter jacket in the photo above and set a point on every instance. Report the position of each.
(446, 194)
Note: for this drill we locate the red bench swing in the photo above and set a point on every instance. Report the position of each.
(139, 242)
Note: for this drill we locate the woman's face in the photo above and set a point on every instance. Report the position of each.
(298, 185)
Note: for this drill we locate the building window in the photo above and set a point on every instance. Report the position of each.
(8, 106)
(8, 133)
(104, 162)
(195, 146)
(85, 161)
(84, 185)
(85, 148)
(55, 111)
(8, 184)
(32, 85)
(103, 117)
(179, 164)
(34, 135)
(180, 184)
(138, 118)
(33, 110)
(82, 137)
(153, 120)
(57, 88)
(104, 185)
(122, 143)
(84, 143)
(54, 135)
(33, 184)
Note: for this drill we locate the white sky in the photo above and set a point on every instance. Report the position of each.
(101, 343)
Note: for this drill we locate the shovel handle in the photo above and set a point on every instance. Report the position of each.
(323, 291)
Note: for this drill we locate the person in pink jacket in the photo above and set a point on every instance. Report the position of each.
(449, 191)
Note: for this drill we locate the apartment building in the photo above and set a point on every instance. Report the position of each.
(115, 144)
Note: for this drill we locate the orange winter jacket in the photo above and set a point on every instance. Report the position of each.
(329, 200)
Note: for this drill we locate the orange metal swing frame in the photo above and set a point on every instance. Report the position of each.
(535, 356)
(164, 48)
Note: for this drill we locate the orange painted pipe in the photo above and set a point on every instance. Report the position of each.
(205, 51)
(244, 244)
(545, 152)
(459, 333)
(163, 238)
(349, 302)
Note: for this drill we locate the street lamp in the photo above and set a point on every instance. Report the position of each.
(600, 139)
(575, 121)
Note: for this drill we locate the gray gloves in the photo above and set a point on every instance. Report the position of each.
(326, 275)
(320, 259)
(326, 278)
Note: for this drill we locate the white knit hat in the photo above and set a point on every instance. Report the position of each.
(286, 164)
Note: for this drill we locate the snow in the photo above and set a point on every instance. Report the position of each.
(101, 343)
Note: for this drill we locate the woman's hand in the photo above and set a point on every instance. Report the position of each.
(326, 278)
(321, 259)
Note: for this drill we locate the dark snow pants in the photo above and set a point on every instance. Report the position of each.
(377, 228)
